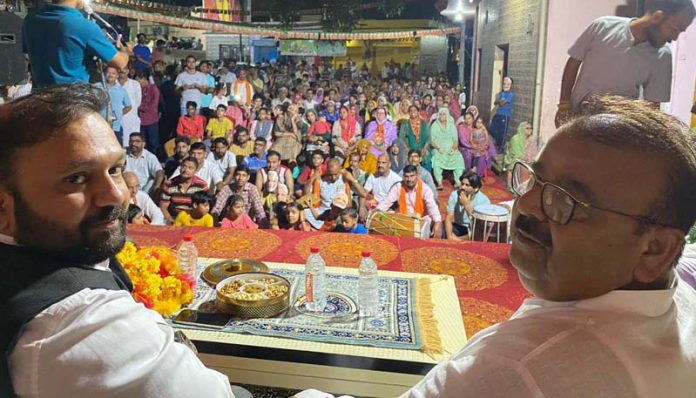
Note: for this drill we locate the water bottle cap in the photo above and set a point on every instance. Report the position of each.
(188, 238)
(314, 250)
(365, 254)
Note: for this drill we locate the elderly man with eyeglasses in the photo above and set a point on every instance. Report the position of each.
(598, 227)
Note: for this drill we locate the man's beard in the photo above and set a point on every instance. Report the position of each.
(76, 246)
(653, 32)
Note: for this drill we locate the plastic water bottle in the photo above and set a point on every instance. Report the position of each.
(368, 286)
(315, 282)
(187, 256)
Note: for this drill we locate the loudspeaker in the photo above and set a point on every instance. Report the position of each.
(13, 67)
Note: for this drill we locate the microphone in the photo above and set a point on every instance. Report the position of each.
(110, 32)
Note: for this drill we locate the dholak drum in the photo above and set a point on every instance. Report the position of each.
(489, 224)
(394, 224)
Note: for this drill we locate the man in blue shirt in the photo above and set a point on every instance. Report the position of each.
(61, 42)
(461, 204)
(142, 53)
(501, 120)
(256, 160)
(119, 101)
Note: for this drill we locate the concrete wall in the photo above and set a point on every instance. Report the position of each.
(433, 55)
(514, 23)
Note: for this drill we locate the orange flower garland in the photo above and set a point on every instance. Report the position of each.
(158, 281)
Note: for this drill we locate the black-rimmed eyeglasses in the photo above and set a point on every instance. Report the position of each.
(556, 203)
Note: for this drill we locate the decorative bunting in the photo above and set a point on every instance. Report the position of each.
(181, 16)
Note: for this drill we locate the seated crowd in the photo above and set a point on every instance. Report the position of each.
(266, 148)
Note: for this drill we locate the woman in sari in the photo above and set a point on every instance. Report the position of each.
(415, 133)
(445, 148)
(381, 132)
(368, 161)
(522, 146)
(286, 134)
(346, 131)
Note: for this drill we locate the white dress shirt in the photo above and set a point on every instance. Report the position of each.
(145, 167)
(131, 120)
(622, 344)
(99, 343)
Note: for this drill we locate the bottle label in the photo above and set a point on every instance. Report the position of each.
(309, 287)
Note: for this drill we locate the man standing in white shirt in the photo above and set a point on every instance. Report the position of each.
(131, 120)
(380, 184)
(143, 200)
(71, 326)
(191, 84)
(619, 56)
(144, 164)
(207, 171)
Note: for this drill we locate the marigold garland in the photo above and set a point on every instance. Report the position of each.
(158, 281)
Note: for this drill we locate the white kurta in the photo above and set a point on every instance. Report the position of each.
(131, 120)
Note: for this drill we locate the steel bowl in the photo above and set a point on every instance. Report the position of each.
(219, 270)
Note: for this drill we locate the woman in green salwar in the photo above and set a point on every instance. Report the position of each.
(445, 148)
(522, 146)
(415, 133)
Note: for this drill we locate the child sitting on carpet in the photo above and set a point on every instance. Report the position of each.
(135, 216)
(349, 222)
(294, 214)
(199, 215)
(235, 216)
(329, 218)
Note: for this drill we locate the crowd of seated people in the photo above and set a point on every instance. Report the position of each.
(304, 147)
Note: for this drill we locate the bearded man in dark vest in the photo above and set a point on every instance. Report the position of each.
(70, 326)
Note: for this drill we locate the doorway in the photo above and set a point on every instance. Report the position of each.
(500, 70)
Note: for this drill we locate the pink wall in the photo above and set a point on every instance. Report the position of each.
(684, 78)
(567, 20)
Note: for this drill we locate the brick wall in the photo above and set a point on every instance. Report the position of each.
(514, 23)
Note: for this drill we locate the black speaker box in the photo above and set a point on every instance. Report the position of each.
(13, 68)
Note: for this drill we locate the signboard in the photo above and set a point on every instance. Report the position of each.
(221, 10)
(299, 47)
(332, 49)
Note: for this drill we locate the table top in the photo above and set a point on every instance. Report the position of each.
(445, 310)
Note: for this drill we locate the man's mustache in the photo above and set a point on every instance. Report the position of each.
(533, 227)
(105, 215)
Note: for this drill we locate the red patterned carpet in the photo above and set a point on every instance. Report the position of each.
(488, 288)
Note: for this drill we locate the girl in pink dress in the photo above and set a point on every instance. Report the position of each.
(235, 216)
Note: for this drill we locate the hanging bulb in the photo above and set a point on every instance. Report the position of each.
(457, 9)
